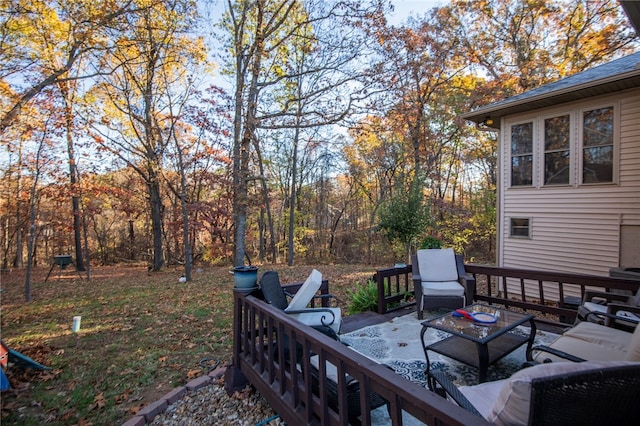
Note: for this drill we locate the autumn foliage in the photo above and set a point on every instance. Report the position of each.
(118, 147)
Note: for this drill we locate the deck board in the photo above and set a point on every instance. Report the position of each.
(365, 319)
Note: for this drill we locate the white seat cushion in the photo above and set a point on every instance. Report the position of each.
(483, 396)
(331, 370)
(582, 349)
(600, 335)
(595, 307)
(511, 405)
(321, 318)
(306, 292)
(437, 265)
(442, 288)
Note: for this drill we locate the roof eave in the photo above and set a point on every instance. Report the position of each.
(498, 110)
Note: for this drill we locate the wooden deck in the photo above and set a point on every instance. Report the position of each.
(365, 319)
(265, 340)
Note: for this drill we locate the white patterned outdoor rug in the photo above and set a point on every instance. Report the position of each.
(397, 344)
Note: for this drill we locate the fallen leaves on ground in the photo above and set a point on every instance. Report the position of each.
(142, 334)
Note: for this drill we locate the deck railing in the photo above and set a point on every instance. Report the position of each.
(395, 288)
(273, 352)
(544, 292)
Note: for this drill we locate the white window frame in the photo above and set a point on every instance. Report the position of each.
(572, 148)
(615, 142)
(534, 130)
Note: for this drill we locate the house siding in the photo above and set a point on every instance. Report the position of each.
(574, 228)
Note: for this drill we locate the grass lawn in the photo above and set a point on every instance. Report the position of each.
(142, 334)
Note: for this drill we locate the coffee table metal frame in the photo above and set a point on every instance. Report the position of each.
(492, 341)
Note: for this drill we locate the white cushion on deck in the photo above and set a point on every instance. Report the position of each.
(582, 349)
(484, 395)
(506, 402)
(321, 318)
(633, 352)
(442, 288)
(306, 292)
(437, 265)
(331, 370)
(604, 336)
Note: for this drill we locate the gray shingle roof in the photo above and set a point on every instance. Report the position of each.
(619, 74)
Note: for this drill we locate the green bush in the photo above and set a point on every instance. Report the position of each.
(430, 242)
(363, 298)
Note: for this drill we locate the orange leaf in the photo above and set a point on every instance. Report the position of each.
(193, 374)
(123, 397)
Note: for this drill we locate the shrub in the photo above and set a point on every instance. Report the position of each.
(430, 242)
(363, 298)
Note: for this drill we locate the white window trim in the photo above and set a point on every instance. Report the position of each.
(534, 160)
(616, 142)
(576, 146)
(572, 149)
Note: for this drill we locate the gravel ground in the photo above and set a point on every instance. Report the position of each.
(211, 405)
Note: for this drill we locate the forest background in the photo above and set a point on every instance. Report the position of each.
(335, 138)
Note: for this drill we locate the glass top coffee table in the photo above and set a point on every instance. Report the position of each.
(478, 344)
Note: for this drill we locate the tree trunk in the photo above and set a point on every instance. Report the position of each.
(155, 203)
(132, 240)
(292, 197)
(239, 189)
(267, 207)
(188, 256)
(75, 201)
(18, 261)
(33, 206)
(242, 145)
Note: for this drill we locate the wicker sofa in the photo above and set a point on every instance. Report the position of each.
(592, 342)
(558, 393)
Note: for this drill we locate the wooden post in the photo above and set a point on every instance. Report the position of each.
(234, 379)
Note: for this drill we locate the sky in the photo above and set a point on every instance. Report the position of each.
(406, 8)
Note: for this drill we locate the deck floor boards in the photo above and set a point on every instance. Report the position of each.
(364, 319)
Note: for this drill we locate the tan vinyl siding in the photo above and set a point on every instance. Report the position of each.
(588, 244)
(574, 228)
(630, 146)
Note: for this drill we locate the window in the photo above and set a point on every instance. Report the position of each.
(522, 154)
(597, 145)
(520, 227)
(557, 152)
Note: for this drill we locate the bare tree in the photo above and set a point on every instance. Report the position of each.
(137, 120)
(291, 52)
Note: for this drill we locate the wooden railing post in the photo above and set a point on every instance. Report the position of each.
(234, 379)
(393, 279)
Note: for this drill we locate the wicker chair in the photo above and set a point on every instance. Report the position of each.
(296, 305)
(611, 309)
(440, 280)
(588, 393)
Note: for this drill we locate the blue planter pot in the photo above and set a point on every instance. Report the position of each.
(246, 277)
